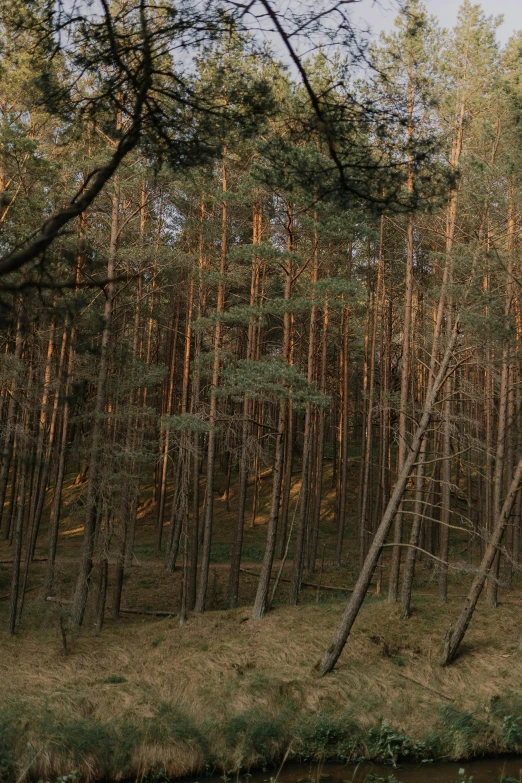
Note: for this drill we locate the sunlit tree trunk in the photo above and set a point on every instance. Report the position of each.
(211, 451)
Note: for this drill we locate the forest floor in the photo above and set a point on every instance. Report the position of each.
(148, 698)
(225, 692)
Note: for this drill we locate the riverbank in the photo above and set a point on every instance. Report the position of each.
(226, 693)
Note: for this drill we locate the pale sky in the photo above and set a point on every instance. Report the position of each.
(380, 15)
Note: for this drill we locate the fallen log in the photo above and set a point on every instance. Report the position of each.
(304, 584)
(34, 560)
(8, 595)
(159, 613)
(56, 600)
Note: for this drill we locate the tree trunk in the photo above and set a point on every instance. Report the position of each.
(15, 579)
(395, 566)
(492, 589)
(235, 562)
(261, 600)
(195, 402)
(306, 467)
(98, 427)
(455, 634)
(102, 594)
(345, 407)
(10, 421)
(162, 490)
(288, 469)
(211, 452)
(366, 573)
(411, 555)
(321, 414)
(54, 522)
(38, 469)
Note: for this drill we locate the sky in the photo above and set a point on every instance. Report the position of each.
(379, 15)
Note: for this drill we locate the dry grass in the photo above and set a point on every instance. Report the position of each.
(225, 692)
(184, 697)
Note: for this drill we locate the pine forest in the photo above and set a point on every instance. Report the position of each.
(260, 388)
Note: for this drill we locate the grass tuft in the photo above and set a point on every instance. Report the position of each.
(114, 679)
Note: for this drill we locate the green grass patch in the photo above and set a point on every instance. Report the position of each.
(114, 679)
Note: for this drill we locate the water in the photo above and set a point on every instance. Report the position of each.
(494, 770)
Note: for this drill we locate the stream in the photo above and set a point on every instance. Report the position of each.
(492, 770)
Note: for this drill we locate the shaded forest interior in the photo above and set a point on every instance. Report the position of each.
(270, 351)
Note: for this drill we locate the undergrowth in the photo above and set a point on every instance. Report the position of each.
(45, 746)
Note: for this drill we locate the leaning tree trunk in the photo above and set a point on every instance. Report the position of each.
(455, 634)
(366, 573)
